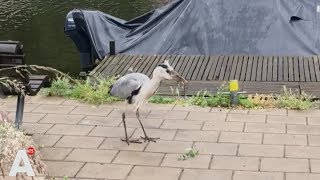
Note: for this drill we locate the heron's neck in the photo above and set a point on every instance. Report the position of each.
(155, 83)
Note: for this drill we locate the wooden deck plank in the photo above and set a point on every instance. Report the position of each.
(111, 65)
(129, 60)
(311, 70)
(254, 68)
(198, 67)
(203, 67)
(280, 69)
(285, 69)
(249, 68)
(264, 69)
(270, 67)
(195, 64)
(153, 66)
(275, 69)
(306, 69)
(133, 61)
(141, 67)
(121, 61)
(223, 69)
(180, 63)
(187, 70)
(105, 60)
(291, 70)
(316, 67)
(212, 64)
(151, 61)
(296, 69)
(218, 68)
(301, 69)
(234, 67)
(244, 68)
(228, 68)
(239, 68)
(184, 64)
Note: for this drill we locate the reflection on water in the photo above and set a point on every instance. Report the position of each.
(39, 25)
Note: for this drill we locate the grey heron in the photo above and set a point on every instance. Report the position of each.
(137, 88)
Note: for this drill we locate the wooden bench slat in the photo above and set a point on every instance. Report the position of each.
(270, 68)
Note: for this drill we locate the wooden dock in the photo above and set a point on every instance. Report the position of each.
(257, 74)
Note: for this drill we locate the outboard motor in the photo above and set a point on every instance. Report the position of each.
(75, 27)
(11, 54)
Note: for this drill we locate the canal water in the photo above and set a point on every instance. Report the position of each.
(39, 25)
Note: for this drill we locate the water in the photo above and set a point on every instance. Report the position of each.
(39, 25)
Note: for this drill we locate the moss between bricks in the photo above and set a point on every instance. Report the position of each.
(95, 91)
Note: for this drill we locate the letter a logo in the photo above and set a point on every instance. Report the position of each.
(22, 154)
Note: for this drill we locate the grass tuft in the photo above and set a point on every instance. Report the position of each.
(291, 100)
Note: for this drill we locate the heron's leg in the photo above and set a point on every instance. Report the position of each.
(146, 138)
(125, 131)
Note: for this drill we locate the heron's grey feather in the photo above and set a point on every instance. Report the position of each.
(123, 87)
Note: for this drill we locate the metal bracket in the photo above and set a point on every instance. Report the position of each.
(19, 111)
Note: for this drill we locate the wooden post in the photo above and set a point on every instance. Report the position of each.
(112, 45)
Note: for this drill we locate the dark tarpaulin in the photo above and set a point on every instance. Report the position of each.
(204, 27)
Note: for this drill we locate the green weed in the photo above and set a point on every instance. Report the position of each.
(291, 100)
(191, 153)
(162, 100)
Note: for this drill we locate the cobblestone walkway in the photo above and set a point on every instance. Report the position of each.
(83, 142)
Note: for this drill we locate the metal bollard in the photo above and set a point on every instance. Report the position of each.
(234, 88)
(19, 111)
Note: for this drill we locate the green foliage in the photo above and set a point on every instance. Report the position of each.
(291, 100)
(162, 100)
(191, 153)
(90, 91)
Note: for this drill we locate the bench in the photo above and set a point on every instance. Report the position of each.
(35, 83)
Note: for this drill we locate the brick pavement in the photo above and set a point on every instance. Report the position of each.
(83, 142)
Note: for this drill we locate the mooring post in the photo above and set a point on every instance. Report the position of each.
(234, 88)
(112, 46)
(19, 110)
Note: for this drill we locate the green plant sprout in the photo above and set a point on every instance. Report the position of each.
(191, 153)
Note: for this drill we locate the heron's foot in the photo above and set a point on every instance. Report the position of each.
(149, 139)
(131, 141)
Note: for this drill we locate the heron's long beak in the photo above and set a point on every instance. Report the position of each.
(176, 76)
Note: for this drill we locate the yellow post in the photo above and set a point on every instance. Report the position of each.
(233, 86)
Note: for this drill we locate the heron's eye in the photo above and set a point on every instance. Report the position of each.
(169, 72)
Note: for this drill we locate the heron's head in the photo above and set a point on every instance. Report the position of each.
(165, 71)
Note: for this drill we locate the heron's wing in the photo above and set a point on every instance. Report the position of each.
(124, 87)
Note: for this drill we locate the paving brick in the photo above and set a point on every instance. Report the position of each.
(239, 111)
(164, 134)
(79, 142)
(282, 112)
(302, 176)
(34, 128)
(304, 113)
(181, 124)
(246, 118)
(160, 107)
(147, 123)
(72, 102)
(247, 175)
(223, 126)
(61, 169)
(216, 148)
(203, 116)
(39, 99)
(286, 120)
(199, 161)
(194, 174)
(45, 140)
(101, 121)
(315, 166)
(55, 109)
(314, 140)
(55, 153)
(192, 135)
(92, 110)
(237, 137)
(11, 107)
(220, 110)
(302, 152)
(117, 144)
(303, 129)
(139, 158)
(168, 146)
(109, 171)
(92, 155)
(111, 131)
(287, 139)
(168, 114)
(235, 163)
(191, 108)
(70, 129)
(29, 117)
(284, 165)
(261, 150)
(266, 128)
(62, 119)
(154, 173)
(313, 121)
(130, 113)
